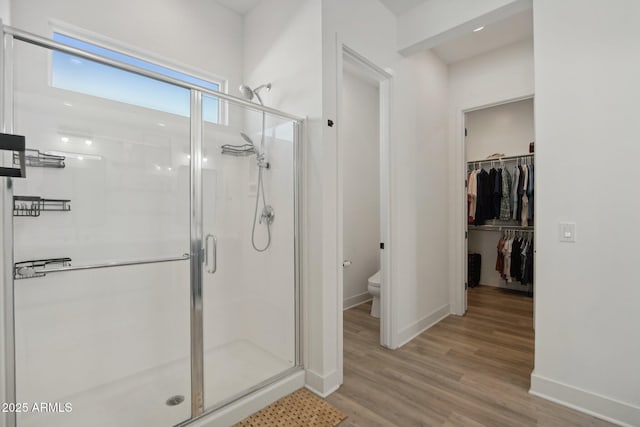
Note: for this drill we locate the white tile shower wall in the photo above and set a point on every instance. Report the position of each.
(361, 177)
(271, 278)
(262, 281)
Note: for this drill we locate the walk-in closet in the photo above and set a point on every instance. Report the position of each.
(500, 153)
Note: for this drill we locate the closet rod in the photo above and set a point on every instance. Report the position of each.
(500, 227)
(497, 159)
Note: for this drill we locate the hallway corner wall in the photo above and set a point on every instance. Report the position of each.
(587, 317)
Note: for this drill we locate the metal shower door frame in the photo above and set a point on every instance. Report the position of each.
(9, 34)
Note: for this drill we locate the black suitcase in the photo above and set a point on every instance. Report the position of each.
(473, 269)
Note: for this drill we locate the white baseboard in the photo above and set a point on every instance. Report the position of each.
(356, 300)
(323, 386)
(599, 406)
(418, 327)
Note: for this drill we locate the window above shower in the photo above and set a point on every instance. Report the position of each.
(70, 72)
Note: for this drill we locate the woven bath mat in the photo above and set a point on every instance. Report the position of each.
(299, 409)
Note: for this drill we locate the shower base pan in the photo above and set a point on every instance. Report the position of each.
(161, 396)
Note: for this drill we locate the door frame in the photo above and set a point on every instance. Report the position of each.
(459, 294)
(384, 79)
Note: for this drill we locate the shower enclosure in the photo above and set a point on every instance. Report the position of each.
(132, 295)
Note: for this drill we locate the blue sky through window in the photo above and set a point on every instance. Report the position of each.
(81, 75)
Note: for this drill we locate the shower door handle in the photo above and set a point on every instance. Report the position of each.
(211, 252)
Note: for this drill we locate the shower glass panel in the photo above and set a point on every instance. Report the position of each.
(249, 276)
(113, 342)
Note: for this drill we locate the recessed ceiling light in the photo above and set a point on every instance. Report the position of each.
(205, 160)
(88, 141)
(80, 158)
(64, 139)
(169, 168)
(157, 167)
(478, 29)
(67, 104)
(189, 156)
(161, 124)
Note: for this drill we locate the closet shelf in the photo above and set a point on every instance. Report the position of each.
(35, 158)
(36, 268)
(500, 227)
(34, 205)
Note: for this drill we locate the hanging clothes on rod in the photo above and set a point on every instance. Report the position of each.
(499, 194)
(514, 260)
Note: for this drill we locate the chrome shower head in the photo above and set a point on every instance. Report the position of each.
(249, 93)
(246, 92)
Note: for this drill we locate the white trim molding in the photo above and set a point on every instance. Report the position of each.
(323, 386)
(410, 332)
(594, 404)
(356, 300)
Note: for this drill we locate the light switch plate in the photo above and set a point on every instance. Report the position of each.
(568, 232)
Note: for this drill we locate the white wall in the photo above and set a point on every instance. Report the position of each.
(361, 175)
(504, 74)
(506, 129)
(587, 317)
(5, 11)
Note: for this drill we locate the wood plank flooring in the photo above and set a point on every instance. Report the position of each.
(465, 371)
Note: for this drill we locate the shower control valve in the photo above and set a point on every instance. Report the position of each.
(268, 215)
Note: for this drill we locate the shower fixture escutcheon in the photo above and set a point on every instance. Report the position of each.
(268, 215)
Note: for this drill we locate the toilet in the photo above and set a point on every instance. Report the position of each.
(374, 290)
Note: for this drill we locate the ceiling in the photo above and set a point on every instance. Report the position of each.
(398, 7)
(401, 6)
(510, 30)
(515, 28)
(240, 6)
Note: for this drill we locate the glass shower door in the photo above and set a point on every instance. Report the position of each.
(155, 245)
(101, 246)
(249, 298)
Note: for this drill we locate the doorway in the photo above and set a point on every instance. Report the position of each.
(500, 192)
(364, 237)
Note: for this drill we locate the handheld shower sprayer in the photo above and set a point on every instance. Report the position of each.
(267, 216)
